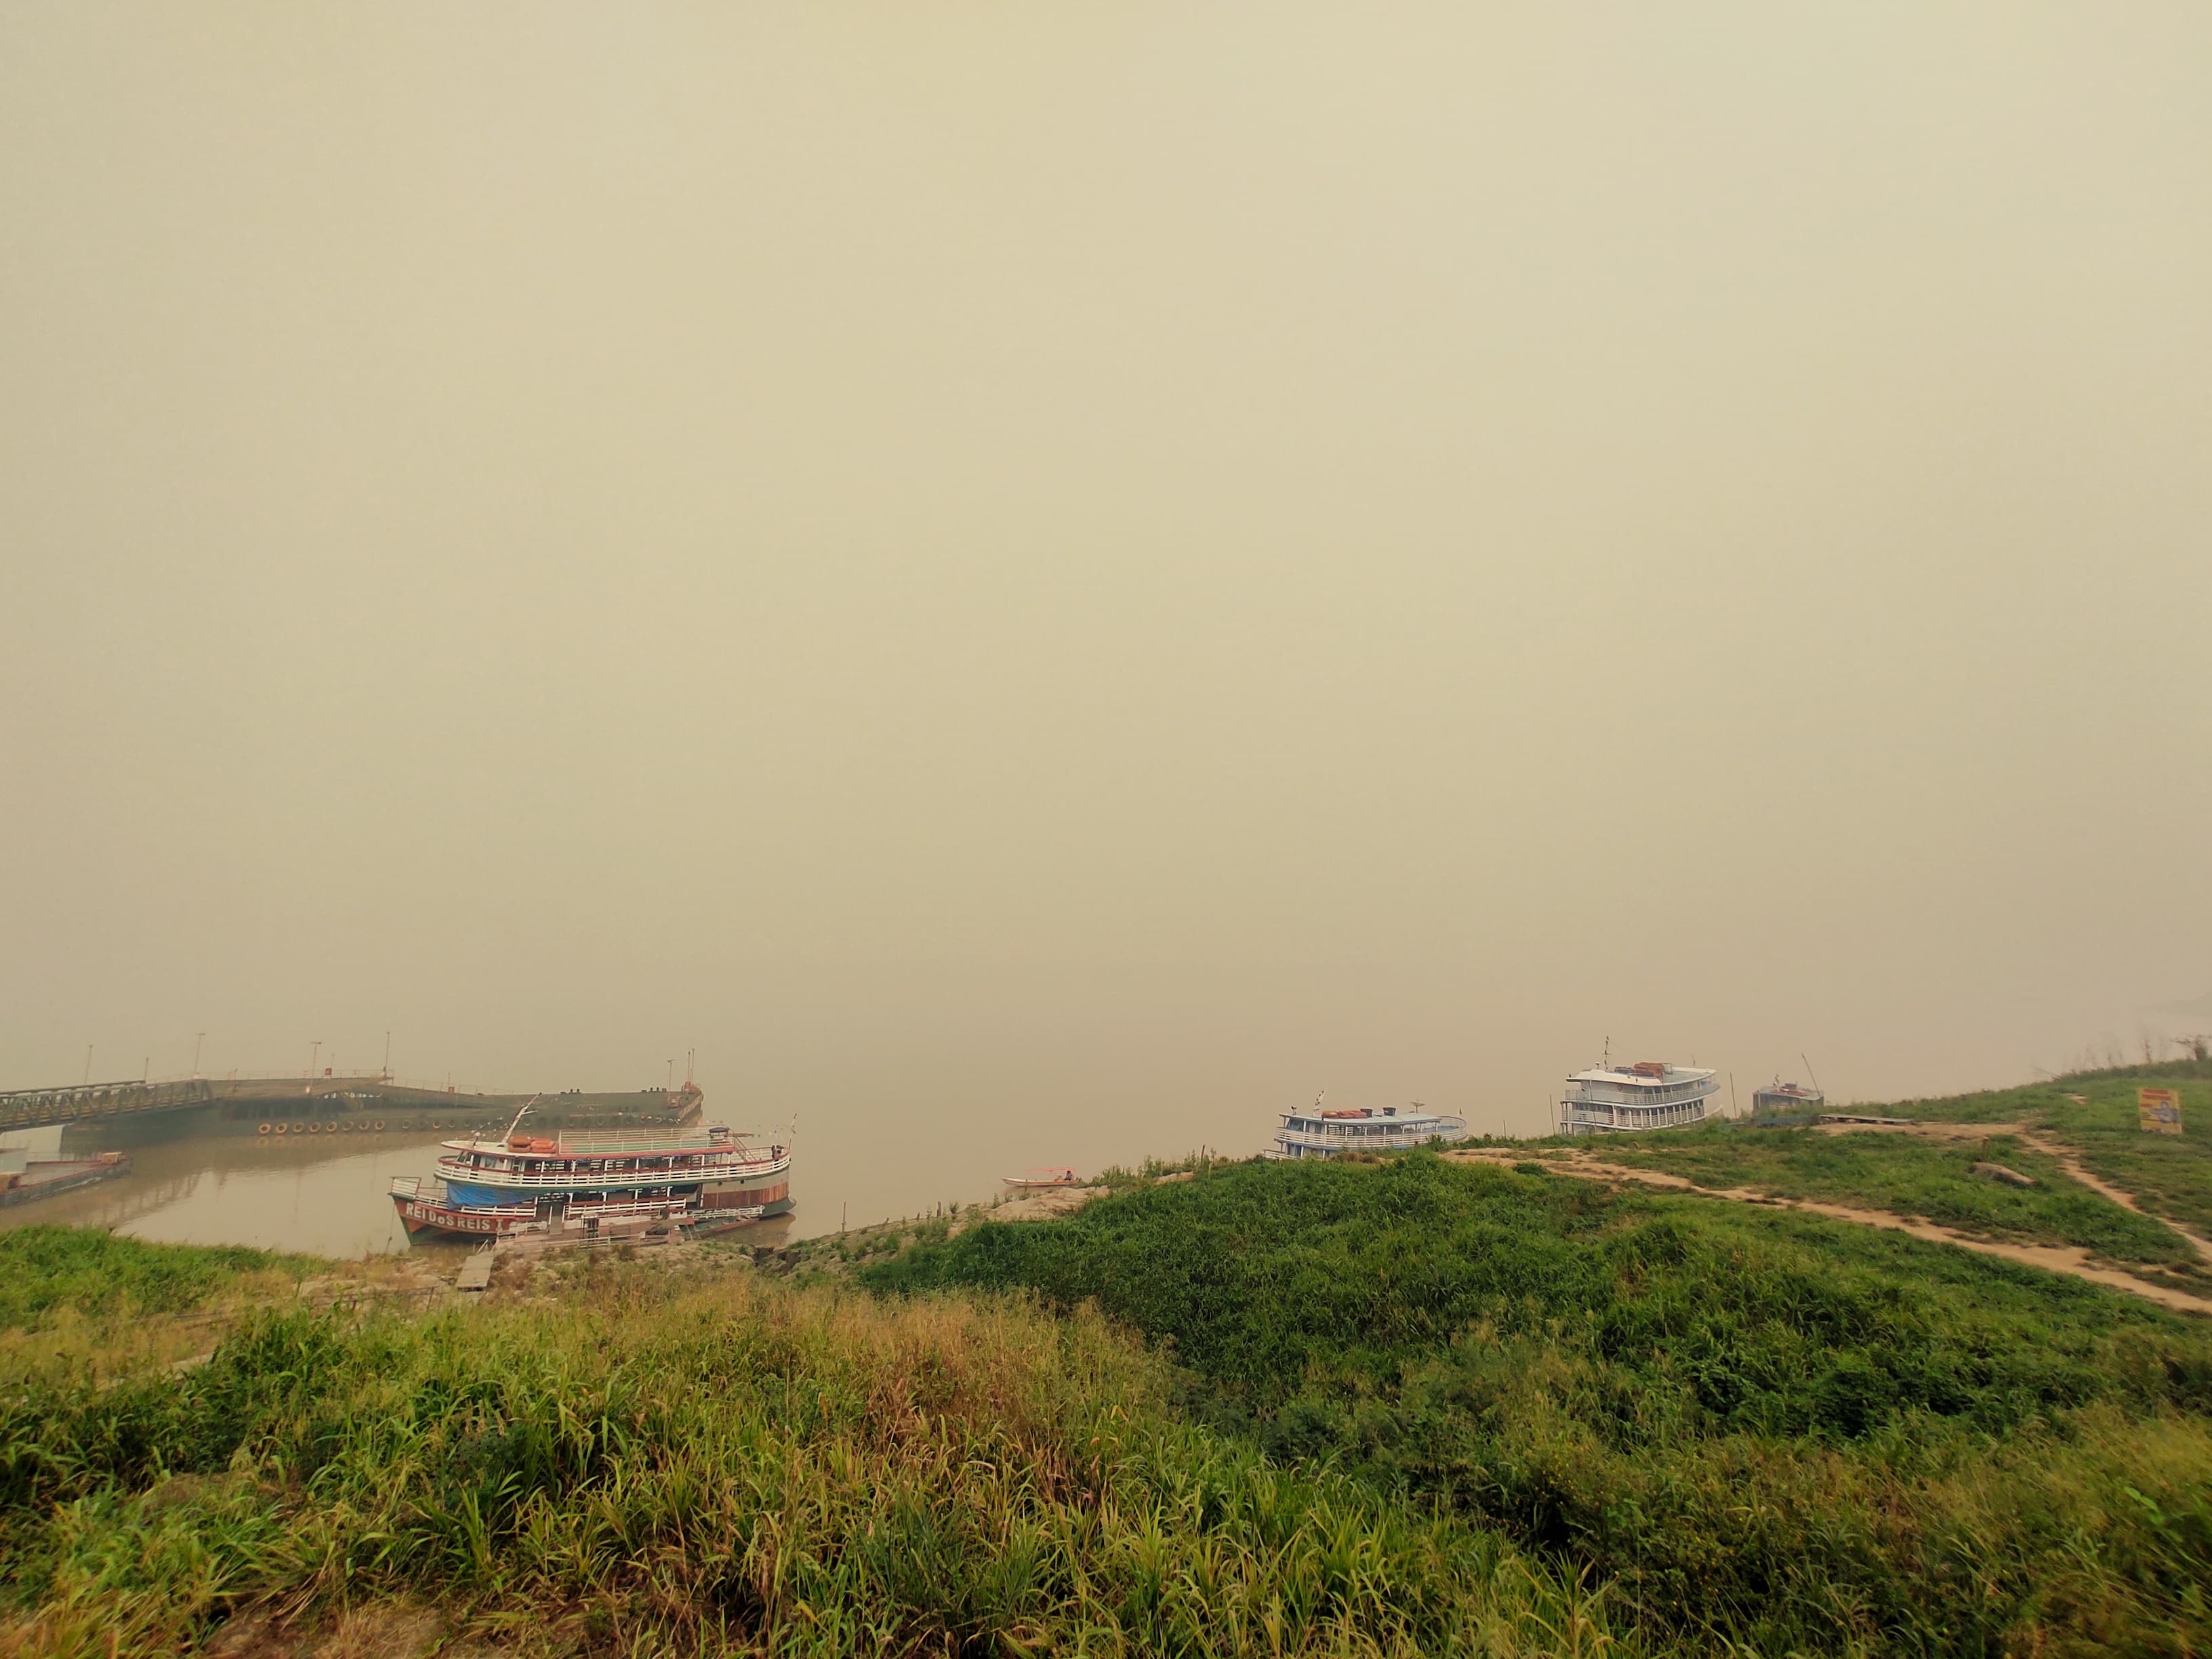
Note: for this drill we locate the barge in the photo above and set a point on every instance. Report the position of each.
(25, 1178)
(1780, 1096)
(706, 1177)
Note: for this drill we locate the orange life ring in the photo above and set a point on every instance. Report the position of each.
(280, 1128)
(263, 1130)
(380, 1126)
(329, 1128)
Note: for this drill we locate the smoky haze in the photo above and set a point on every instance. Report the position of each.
(1042, 583)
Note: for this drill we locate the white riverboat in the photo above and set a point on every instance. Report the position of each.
(1314, 1133)
(1628, 1099)
(701, 1176)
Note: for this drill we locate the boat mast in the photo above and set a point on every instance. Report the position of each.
(526, 1105)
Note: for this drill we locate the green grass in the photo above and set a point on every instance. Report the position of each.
(1753, 1426)
(2168, 1175)
(657, 1468)
(1909, 1176)
(45, 1270)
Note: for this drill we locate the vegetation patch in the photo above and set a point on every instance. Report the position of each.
(735, 1466)
(2095, 1113)
(1910, 1176)
(91, 1274)
(1754, 1426)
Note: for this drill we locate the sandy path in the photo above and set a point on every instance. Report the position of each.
(2055, 1258)
(2069, 1162)
(2066, 1157)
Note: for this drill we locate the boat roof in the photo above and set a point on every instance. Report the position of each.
(1369, 1114)
(1634, 1078)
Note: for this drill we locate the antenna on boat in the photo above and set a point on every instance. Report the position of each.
(1817, 1089)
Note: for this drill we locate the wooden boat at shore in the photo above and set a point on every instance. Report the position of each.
(706, 1177)
(1043, 1179)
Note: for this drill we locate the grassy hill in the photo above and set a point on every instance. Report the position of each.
(1402, 1406)
(696, 1462)
(2089, 1121)
(1751, 1427)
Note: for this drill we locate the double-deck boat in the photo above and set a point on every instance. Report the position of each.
(1314, 1133)
(705, 1176)
(1649, 1095)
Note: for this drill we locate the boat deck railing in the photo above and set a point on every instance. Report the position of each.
(1406, 1135)
(410, 1187)
(454, 1168)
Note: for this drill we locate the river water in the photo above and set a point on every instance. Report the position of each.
(329, 1196)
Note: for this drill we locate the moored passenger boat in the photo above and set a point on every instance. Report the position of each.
(705, 1176)
(1649, 1095)
(1314, 1133)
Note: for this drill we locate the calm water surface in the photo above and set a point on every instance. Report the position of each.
(329, 1196)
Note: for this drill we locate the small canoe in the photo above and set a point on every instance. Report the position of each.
(1032, 1179)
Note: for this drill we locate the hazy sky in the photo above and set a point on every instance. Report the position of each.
(1063, 577)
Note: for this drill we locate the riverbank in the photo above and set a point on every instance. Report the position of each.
(1402, 1405)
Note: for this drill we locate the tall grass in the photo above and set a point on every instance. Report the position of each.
(740, 1467)
(1755, 1427)
(90, 1274)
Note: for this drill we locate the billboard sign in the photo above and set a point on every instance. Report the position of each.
(2158, 1110)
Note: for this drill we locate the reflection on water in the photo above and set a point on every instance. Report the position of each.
(325, 1198)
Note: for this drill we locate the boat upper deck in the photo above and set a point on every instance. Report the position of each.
(700, 1141)
(1649, 1075)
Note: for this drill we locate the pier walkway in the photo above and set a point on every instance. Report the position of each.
(40, 1109)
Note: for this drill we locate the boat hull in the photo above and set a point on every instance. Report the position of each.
(433, 1219)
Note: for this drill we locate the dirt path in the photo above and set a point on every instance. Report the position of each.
(2054, 1258)
(2071, 1161)
(2065, 1155)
